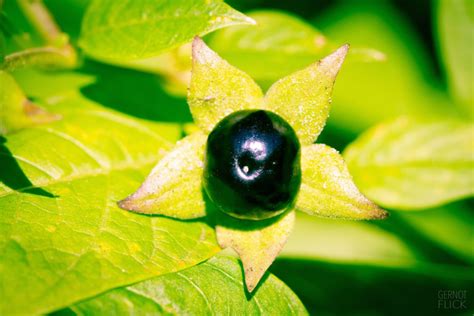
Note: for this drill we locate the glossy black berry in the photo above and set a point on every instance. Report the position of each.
(252, 165)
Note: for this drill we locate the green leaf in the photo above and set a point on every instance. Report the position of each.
(411, 164)
(16, 111)
(327, 188)
(45, 57)
(367, 93)
(448, 226)
(404, 239)
(177, 175)
(214, 287)
(456, 34)
(33, 39)
(278, 45)
(62, 236)
(339, 240)
(303, 98)
(256, 242)
(217, 89)
(141, 29)
(173, 66)
(45, 85)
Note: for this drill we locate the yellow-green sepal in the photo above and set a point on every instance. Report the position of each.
(174, 186)
(303, 98)
(327, 188)
(217, 88)
(256, 242)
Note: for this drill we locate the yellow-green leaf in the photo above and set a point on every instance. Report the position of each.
(303, 98)
(48, 57)
(214, 287)
(278, 45)
(412, 164)
(327, 188)
(256, 242)
(62, 237)
(217, 88)
(16, 111)
(173, 187)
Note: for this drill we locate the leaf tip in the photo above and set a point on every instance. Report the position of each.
(124, 204)
(253, 275)
(250, 20)
(379, 213)
(38, 115)
(333, 62)
(129, 204)
(250, 283)
(201, 53)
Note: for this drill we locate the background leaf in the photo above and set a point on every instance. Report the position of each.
(328, 288)
(32, 38)
(404, 239)
(367, 93)
(16, 111)
(336, 240)
(456, 35)
(449, 226)
(278, 45)
(214, 287)
(412, 164)
(409, 252)
(140, 29)
(62, 237)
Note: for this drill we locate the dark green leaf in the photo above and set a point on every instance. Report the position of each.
(328, 288)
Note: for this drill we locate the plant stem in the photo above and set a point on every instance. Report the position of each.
(43, 22)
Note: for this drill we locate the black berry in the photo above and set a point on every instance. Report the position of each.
(252, 165)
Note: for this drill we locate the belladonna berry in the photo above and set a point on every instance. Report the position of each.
(252, 165)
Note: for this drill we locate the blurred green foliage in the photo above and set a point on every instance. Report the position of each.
(455, 21)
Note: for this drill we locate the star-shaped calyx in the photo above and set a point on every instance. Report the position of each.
(174, 187)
